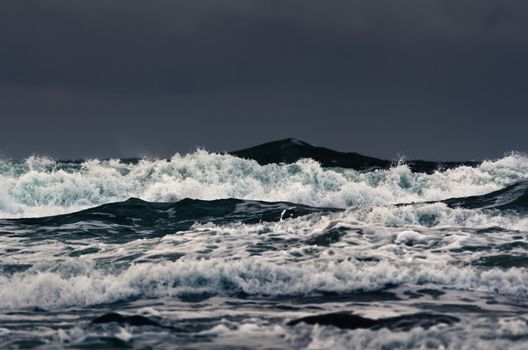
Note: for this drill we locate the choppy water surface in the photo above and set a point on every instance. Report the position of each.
(210, 251)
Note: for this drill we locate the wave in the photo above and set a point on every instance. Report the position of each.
(292, 150)
(477, 333)
(514, 197)
(403, 323)
(437, 215)
(148, 219)
(84, 284)
(135, 218)
(505, 208)
(42, 186)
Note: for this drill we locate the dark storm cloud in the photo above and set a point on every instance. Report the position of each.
(381, 77)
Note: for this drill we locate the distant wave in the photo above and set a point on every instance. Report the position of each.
(42, 186)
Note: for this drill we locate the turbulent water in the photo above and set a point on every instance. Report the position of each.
(213, 251)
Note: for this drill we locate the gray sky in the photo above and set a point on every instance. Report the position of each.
(435, 79)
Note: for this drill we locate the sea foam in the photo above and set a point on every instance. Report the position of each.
(41, 186)
(253, 276)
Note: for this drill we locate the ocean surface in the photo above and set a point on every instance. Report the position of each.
(281, 246)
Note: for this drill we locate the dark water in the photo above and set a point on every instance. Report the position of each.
(211, 251)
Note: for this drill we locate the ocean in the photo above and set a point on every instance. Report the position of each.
(281, 246)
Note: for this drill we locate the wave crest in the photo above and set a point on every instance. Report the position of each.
(253, 276)
(40, 186)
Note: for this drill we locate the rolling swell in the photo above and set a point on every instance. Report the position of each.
(158, 219)
(513, 197)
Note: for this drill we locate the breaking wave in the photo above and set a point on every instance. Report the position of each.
(42, 186)
(82, 284)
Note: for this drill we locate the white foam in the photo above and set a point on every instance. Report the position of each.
(409, 237)
(476, 335)
(253, 275)
(41, 187)
(434, 215)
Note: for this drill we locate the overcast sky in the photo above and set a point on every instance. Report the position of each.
(435, 79)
